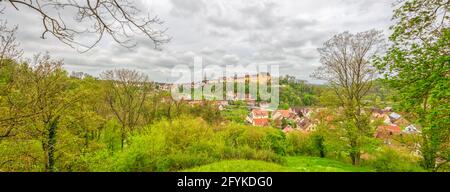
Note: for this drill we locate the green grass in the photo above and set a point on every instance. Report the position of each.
(293, 164)
(240, 166)
(315, 164)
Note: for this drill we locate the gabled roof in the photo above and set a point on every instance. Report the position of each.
(395, 129)
(261, 122)
(284, 113)
(260, 112)
(411, 129)
(288, 129)
(395, 115)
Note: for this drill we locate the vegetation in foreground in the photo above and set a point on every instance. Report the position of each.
(291, 164)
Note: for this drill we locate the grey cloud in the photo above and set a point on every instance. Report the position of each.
(301, 23)
(286, 33)
(187, 8)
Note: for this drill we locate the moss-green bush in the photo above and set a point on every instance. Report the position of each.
(391, 160)
(299, 143)
(188, 142)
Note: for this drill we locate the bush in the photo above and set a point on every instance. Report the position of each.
(392, 160)
(186, 142)
(261, 138)
(20, 156)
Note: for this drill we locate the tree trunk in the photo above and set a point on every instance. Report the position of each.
(429, 155)
(355, 154)
(51, 145)
(356, 158)
(122, 137)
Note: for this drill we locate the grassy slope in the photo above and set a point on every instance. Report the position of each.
(293, 164)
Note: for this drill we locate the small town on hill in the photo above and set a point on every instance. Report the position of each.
(224, 86)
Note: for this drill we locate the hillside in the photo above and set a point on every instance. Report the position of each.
(292, 164)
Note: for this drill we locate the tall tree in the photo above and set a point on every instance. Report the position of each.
(36, 98)
(126, 93)
(10, 72)
(9, 47)
(417, 64)
(346, 67)
(49, 87)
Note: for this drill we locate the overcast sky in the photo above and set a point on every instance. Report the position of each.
(284, 32)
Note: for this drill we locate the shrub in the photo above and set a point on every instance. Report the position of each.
(393, 160)
(186, 142)
(299, 143)
(261, 138)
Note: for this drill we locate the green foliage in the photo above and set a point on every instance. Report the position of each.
(111, 136)
(296, 93)
(270, 139)
(240, 166)
(390, 160)
(318, 144)
(235, 113)
(292, 164)
(207, 111)
(20, 156)
(417, 65)
(299, 143)
(187, 142)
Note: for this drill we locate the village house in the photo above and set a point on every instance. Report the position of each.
(164, 86)
(288, 129)
(279, 116)
(195, 102)
(411, 129)
(251, 103)
(302, 112)
(221, 105)
(386, 132)
(258, 117)
(261, 122)
(306, 124)
(265, 106)
(286, 114)
(394, 116)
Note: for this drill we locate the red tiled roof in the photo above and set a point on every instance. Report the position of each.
(261, 122)
(391, 128)
(260, 112)
(288, 129)
(330, 118)
(284, 113)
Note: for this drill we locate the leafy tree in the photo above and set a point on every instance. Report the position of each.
(36, 99)
(346, 67)
(126, 93)
(417, 64)
(296, 93)
(9, 47)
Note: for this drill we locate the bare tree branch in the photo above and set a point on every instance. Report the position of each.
(120, 20)
(9, 47)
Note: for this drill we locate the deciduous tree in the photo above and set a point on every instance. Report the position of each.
(347, 68)
(417, 64)
(126, 93)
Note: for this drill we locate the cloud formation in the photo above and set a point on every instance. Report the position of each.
(286, 32)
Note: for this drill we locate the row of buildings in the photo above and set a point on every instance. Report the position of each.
(393, 124)
(288, 120)
(261, 78)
